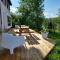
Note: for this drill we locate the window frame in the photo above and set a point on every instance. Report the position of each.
(9, 20)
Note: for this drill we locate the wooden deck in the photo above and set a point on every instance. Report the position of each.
(36, 48)
(40, 44)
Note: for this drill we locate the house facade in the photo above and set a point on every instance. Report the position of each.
(0, 17)
(5, 21)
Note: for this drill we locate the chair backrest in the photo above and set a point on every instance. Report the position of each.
(19, 49)
(17, 26)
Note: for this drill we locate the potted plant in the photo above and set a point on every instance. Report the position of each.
(44, 33)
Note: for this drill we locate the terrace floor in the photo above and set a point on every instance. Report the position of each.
(36, 48)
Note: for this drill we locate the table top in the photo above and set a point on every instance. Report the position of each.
(9, 41)
(24, 26)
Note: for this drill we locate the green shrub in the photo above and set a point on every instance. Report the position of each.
(54, 56)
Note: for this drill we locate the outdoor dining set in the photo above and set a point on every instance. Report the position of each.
(10, 41)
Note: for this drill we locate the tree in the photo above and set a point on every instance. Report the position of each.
(15, 19)
(31, 12)
(59, 12)
(50, 26)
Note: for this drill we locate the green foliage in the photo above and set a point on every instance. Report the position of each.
(31, 12)
(15, 19)
(54, 56)
(54, 35)
(59, 12)
(55, 53)
(55, 24)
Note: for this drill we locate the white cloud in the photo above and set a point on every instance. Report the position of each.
(12, 9)
(50, 15)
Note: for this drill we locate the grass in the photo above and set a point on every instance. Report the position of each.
(55, 54)
(54, 35)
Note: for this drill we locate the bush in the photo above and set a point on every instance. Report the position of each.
(55, 54)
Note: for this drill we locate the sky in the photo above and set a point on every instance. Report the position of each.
(50, 7)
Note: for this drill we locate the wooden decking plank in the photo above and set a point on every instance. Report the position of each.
(36, 51)
(44, 46)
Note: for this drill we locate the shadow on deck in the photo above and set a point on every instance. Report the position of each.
(36, 49)
(32, 39)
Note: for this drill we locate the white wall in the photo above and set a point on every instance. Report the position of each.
(0, 27)
(5, 12)
(0, 14)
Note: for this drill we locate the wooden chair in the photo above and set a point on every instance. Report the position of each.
(5, 54)
(20, 53)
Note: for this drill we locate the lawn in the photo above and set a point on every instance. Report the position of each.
(55, 54)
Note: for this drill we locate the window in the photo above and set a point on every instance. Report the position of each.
(8, 6)
(5, 2)
(9, 21)
(2, 0)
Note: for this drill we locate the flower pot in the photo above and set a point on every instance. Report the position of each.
(44, 34)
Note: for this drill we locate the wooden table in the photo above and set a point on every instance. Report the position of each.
(9, 41)
(24, 29)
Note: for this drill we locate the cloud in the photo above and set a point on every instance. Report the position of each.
(50, 15)
(12, 9)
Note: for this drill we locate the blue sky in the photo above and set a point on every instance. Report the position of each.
(51, 7)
